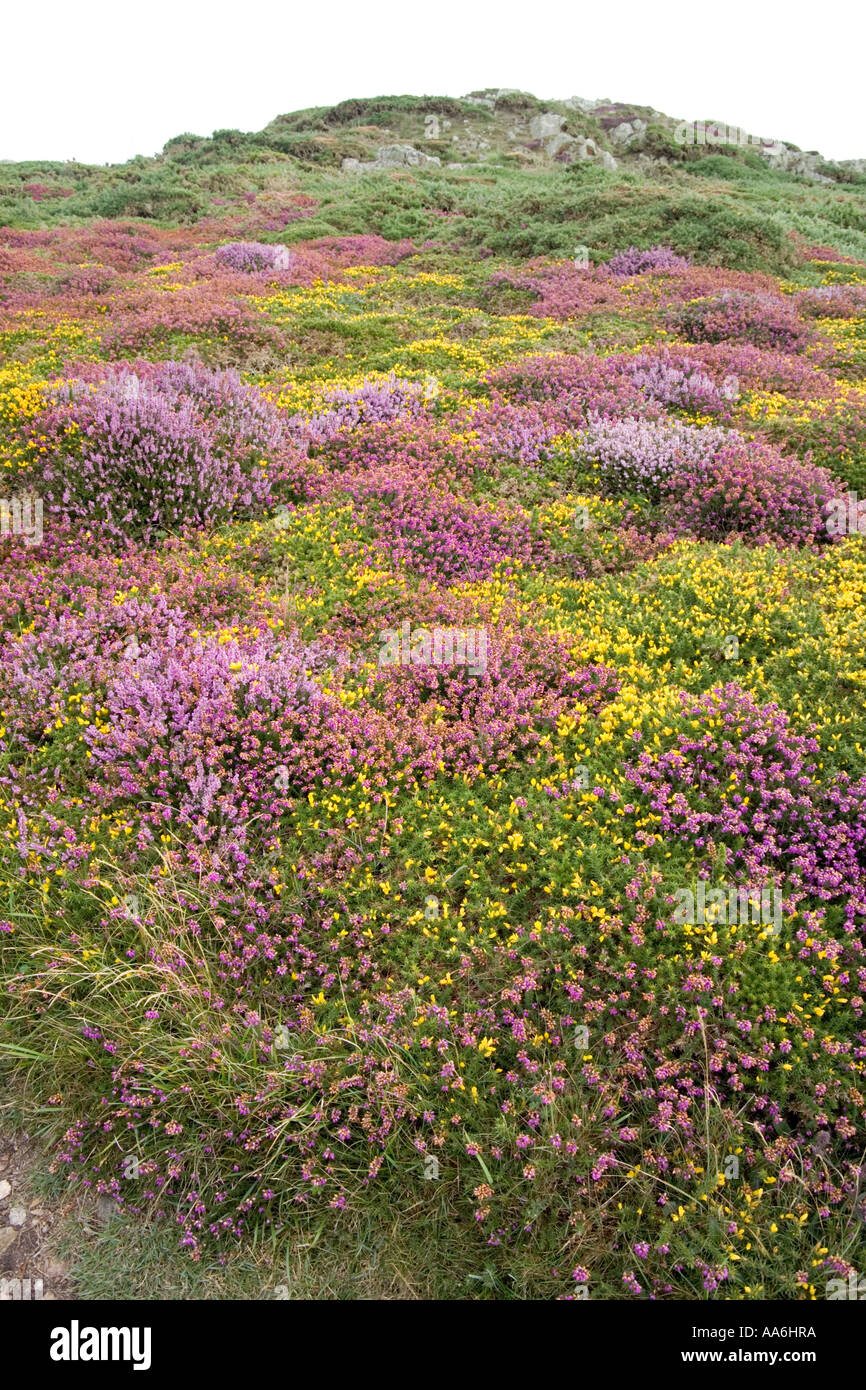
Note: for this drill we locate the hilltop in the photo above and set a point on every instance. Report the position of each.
(523, 176)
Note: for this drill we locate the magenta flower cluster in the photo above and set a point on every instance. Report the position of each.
(443, 536)
(734, 315)
(744, 778)
(678, 381)
(747, 488)
(372, 403)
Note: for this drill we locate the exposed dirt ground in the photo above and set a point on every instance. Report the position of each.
(30, 1225)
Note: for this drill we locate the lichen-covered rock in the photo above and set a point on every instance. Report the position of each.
(392, 157)
(546, 125)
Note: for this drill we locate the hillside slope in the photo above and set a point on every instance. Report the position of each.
(526, 177)
(432, 721)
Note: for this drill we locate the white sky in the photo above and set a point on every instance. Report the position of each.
(104, 80)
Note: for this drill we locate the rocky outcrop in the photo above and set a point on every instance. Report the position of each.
(626, 131)
(547, 129)
(392, 157)
(545, 126)
(532, 131)
(795, 162)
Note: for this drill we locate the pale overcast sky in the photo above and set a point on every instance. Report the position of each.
(102, 81)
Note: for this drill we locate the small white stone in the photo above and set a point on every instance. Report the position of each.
(106, 1207)
(17, 1216)
(5, 1189)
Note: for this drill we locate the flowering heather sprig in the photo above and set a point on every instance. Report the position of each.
(444, 537)
(86, 280)
(815, 251)
(563, 291)
(38, 191)
(364, 249)
(239, 414)
(69, 649)
(223, 732)
(675, 381)
(832, 301)
(407, 450)
(519, 434)
(153, 321)
(467, 720)
(751, 368)
(560, 291)
(124, 246)
(571, 388)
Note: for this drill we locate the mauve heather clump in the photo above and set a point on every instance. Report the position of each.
(86, 280)
(832, 301)
(640, 455)
(253, 255)
(561, 291)
(68, 649)
(520, 434)
(412, 448)
(634, 261)
(372, 403)
(571, 388)
(679, 382)
(149, 319)
(734, 369)
(155, 450)
(762, 319)
(216, 733)
(366, 248)
(748, 488)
